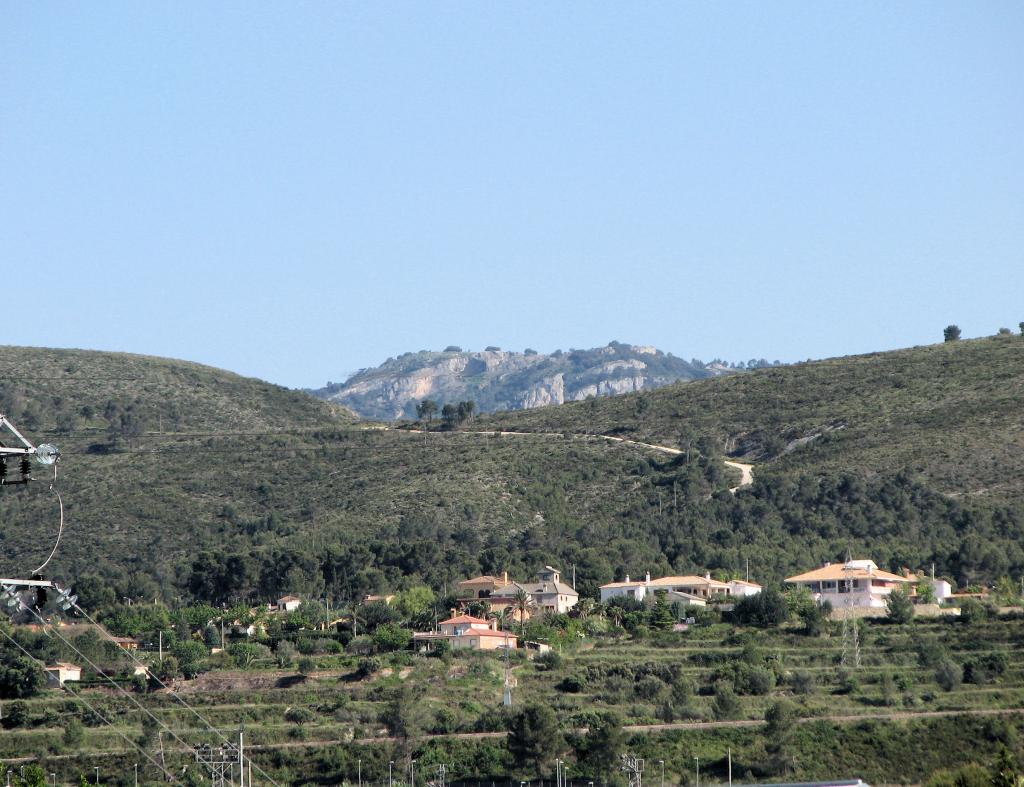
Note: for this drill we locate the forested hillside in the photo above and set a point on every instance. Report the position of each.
(181, 481)
(950, 414)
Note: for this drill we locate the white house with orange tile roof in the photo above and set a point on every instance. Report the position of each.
(691, 588)
(60, 673)
(466, 631)
(856, 583)
(481, 587)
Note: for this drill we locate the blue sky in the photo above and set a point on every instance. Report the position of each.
(298, 190)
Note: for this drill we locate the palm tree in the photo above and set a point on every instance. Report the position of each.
(522, 603)
(585, 608)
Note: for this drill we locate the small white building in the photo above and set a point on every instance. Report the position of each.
(856, 583)
(740, 587)
(60, 673)
(942, 589)
(288, 603)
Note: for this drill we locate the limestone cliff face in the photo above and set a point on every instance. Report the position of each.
(550, 390)
(502, 380)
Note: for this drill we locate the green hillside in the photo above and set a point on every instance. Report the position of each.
(182, 481)
(952, 414)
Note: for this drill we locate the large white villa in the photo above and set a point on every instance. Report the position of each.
(856, 583)
(688, 589)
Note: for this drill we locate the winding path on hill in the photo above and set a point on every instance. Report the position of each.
(746, 470)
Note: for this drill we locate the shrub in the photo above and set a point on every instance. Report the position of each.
(899, 607)
(299, 715)
(985, 668)
(19, 677)
(360, 646)
(572, 684)
(74, 733)
(767, 608)
(802, 682)
(368, 666)
(973, 611)
(548, 661)
(948, 674)
(726, 705)
(650, 688)
(285, 654)
(307, 665)
(390, 637)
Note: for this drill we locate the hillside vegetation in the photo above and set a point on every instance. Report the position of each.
(181, 481)
(951, 414)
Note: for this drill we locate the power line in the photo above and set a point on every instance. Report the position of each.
(46, 625)
(174, 694)
(92, 709)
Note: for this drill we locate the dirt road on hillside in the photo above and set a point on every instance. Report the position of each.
(746, 470)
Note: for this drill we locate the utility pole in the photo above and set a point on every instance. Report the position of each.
(241, 757)
(391, 782)
(730, 766)
(698, 770)
(160, 646)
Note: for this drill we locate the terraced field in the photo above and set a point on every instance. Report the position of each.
(664, 688)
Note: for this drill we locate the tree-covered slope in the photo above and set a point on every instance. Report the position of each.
(242, 490)
(950, 414)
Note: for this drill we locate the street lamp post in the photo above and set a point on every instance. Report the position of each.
(390, 781)
(698, 770)
(97, 769)
(53, 776)
(412, 780)
(359, 772)
(136, 775)
(662, 764)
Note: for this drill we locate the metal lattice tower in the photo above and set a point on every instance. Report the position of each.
(634, 769)
(220, 760)
(851, 637)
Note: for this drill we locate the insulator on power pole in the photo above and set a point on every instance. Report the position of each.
(26, 469)
(3, 469)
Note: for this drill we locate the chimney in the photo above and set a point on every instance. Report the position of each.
(647, 578)
(627, 577)
(827, 564)
(504, 577)
(707, 575)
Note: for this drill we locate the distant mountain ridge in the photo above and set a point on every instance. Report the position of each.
(500, 380)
